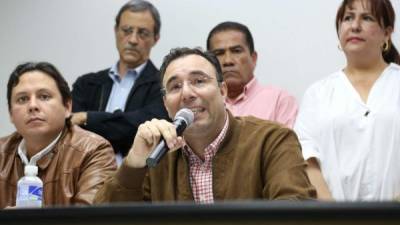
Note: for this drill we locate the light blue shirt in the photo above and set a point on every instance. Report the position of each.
(122, 87)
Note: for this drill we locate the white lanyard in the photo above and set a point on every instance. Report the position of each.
(37, 156)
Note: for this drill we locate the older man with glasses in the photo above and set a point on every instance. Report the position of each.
(115, 101)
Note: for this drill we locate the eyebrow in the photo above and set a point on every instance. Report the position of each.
(236, 46)
(171, 79)
(230, 48)
(21, 93)
(218, 50)
(198, 72)
(37, 91)
(134, 27)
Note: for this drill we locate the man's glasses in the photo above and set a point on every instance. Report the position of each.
(196, 82)
(142, 33)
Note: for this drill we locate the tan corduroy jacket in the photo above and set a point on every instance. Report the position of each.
(71, 174)
(258, 159)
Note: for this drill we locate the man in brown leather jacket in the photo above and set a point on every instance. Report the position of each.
(72, 163)
(219, 157)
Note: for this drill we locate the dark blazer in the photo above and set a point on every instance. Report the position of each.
(90, 94)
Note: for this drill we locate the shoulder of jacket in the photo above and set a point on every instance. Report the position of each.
(251, 123)
(93, 76)
(83, 140)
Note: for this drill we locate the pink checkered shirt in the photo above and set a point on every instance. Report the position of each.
(201, 171)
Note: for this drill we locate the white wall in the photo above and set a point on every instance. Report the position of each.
(296, 40)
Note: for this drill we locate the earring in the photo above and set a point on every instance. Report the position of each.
(385, 46)
(339, 47)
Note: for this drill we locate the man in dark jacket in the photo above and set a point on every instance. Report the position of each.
(115, 101)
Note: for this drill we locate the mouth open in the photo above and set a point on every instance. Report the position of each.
(197, 110)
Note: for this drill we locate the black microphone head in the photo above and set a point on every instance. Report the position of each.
(185, 114)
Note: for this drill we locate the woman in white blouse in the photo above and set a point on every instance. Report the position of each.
(349, 122)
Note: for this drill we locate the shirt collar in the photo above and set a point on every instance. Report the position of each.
(247, 90)
(36, 159)
(114, 74)
(212, 148)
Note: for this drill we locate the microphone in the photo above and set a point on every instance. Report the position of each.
(183, 119)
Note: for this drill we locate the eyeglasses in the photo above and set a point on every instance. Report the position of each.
(195, 82)
(142, 33)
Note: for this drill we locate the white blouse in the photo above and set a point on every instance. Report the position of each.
(357, 144)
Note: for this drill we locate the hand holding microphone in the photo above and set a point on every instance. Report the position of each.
(154, 138)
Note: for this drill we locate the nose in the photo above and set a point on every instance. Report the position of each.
(188, 94)
(227, 59)
(33, 105)
(356, 25)
(133, 38)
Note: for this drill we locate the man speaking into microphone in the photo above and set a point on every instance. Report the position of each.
(218, 156)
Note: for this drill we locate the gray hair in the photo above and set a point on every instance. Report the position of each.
(140, 6)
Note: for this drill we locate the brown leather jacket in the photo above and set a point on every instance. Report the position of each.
(71, 174)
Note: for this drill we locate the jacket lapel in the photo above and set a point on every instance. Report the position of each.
(148, 75)
(105, 85)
